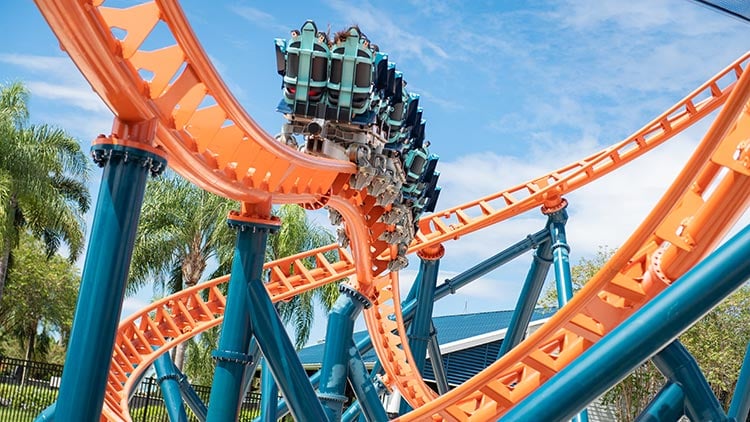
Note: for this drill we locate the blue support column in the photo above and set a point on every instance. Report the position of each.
(168, 380)
(436, 359)
(254, 352)
(333, 372)
(561, 263)
(270, 394)
(667, 406)
(635, 340)
(231, 356)
(527, 299)
(281, 356)
(740, 405)
(367, 393)
(678, 365)
(419, 328)
(561, 255)
(105, 272)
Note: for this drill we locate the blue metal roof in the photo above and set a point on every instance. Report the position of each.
(449, 329)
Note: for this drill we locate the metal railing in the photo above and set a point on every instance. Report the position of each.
(27, 388)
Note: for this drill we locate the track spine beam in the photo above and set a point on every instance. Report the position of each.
(667, 316)
(220, 148)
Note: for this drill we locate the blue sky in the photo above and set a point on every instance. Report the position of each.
(511, 90)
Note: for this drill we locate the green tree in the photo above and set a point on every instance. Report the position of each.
(717, 342)
(43, 176)
(298, 234)
(580, 274)
(182, 228)
(37, 309)
(199, 366)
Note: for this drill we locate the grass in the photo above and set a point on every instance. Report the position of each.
(17, 415)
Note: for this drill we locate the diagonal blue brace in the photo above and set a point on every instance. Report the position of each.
(436, 359)
(280, 354)
(354, 412)
(176, 389)
(678, 365)
(528, 297)
(367, 393)
(627, 346)
(231, 356)
(667, 406)
(191, 398)
(532, 241)
(334, 370)
(170, 388)
(269, 398)
(247, 380)
(105, 273)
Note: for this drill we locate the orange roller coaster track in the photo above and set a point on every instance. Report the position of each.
(209, 139)
(145, 335)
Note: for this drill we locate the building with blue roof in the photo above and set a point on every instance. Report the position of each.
(468, 343)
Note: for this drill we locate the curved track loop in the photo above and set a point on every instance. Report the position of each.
(142, 337)
(183, 315)
(210, 140)
(207, 136)
(703, 203)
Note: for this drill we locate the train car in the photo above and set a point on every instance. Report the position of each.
(345, 100)
(306, 66)
(350, 82)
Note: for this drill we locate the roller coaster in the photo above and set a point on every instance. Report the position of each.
(364, 157)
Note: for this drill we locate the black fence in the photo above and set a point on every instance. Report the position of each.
(27, 388)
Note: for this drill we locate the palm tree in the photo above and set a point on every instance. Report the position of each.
(182, 228)
(298, 234)
(43, 177)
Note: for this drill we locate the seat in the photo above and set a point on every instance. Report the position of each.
(306, 72)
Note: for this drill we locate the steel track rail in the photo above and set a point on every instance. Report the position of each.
(210, 140)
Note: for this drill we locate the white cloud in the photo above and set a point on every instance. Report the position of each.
(132, 305)
(58, 80)
(259, 17)
(79, 97)
(62, 66)
(383, 30)
(682, 17)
